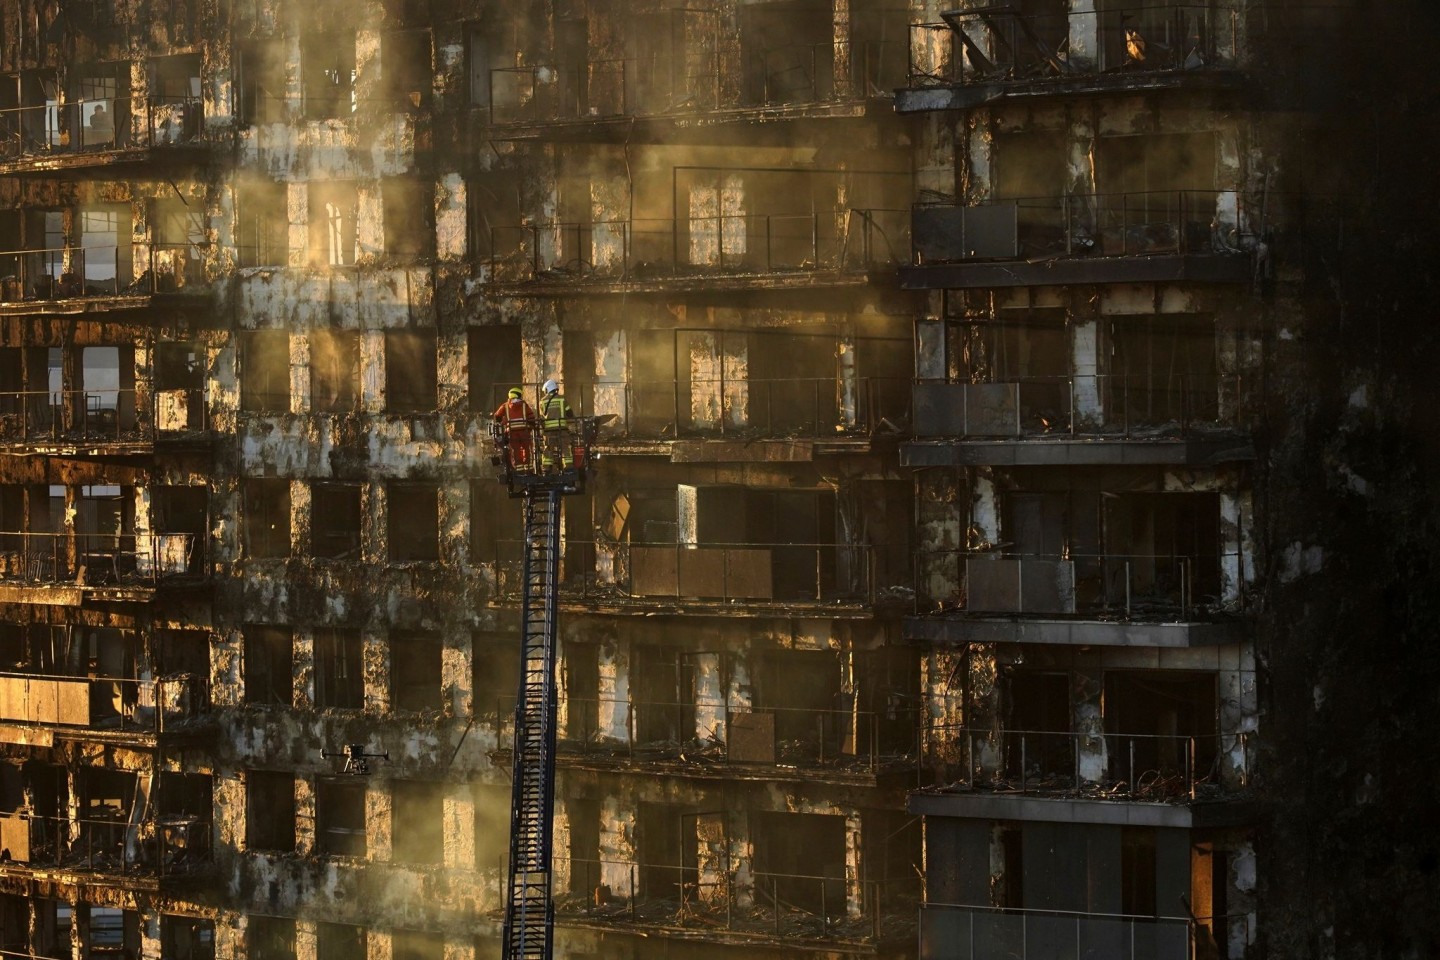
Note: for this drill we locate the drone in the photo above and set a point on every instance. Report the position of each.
(357, 761)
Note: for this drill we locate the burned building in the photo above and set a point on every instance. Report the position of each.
(926, 586)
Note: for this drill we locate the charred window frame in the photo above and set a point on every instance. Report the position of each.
(419, 815)
(340, 941)
(407, 69)
(335, 517)
(263, 227)
(494, 520)
(262, 83)
(184, 511)
(270, 937)
(410, 371)
(413, 526)
(415, 671)
(269, 665)
(339, 818)
(418, 945)
(494, 674)
(493, 211)
(265, 371)
(333, 211)
(339, 670)
(409, 215)
(328, 71)
(269, 810)
(334, 371)
(186, 938)
(266, 518)
(495, 365)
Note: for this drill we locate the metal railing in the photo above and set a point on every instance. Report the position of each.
(101, 124)
(1137, 223)
(965, 932)
(659, 86)
(103, 703)
(163, 846)
(1128, 766)
(742, 572)
(99, 415)
(857, 239)
(1091, 405)
(1112, 584)
(714, 897)
(817, 407)
(999, 44)
(99, 270)
(96, 559)
(707, 733)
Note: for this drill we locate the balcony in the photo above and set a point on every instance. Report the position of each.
(76, 420)
(1140, 237)
(714, 577)
(740, 250)
(791, 79)
(979, 56)
(52, 139)
(718, 902)
(959, 932)
(153, 849)
(719, 740)
(92, 278)
(103, 708)
(1108, 586)
(64, 567)
(1143, 419)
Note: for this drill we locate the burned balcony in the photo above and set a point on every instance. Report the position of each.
(111, 708)
(157, 848)
(95, 561)
(1147, 236)
(741, 248)
(971, 932)
(53, 279)
(97, 134)
(1042, 49)
(1104, 586)
(108, 419)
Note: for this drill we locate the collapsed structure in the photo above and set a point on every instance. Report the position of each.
(915, 600)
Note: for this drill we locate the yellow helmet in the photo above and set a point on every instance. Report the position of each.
(516, 393)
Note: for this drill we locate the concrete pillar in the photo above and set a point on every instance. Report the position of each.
(304, 668)
(615, 709)
(617, 847)
(456, 677)
(378, 823)
(300, 513)
(372, 371)
(297, 216)
(459, 827)
(451, 217)
(299, 372)
(307, 939)
(376, 664)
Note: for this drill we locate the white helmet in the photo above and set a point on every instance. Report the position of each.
(550, 386)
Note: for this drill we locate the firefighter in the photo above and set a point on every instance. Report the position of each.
(516, 421)
(555, 417)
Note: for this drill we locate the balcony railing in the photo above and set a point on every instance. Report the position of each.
(814, 407)
(724, 572)
(706, 733)
(96, 559)
(1068, 406)
(164, 846)
(1110, 765)
(31, 416)
(103, 703)
(960, 932)
(1119, 585)
(109, 123)
(667, 249)
(1181, 222)
(99, 270)
(785, 74)
(999, 44)
(719, 899)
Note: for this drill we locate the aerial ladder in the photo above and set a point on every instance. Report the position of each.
(540, 466)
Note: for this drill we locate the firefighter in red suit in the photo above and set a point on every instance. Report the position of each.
(517, 420)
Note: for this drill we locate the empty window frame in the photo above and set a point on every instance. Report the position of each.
(418, 945)
(335, 521)
(419, 808)
(262, 83)
(270, 937)
(269, 811)
(494, 523)
(410, 371)
(414, 522)
(405, 66)
(187, 938)
(339, 818)
(262, 229)
(333, 209)
(339, 674)
(334, 371)
(495, 674)
(266, 518)
(328, 70)
(265, 371)
(409, 216)
(269, 665)
(495, 365)
(415, 666)
(340, 941)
